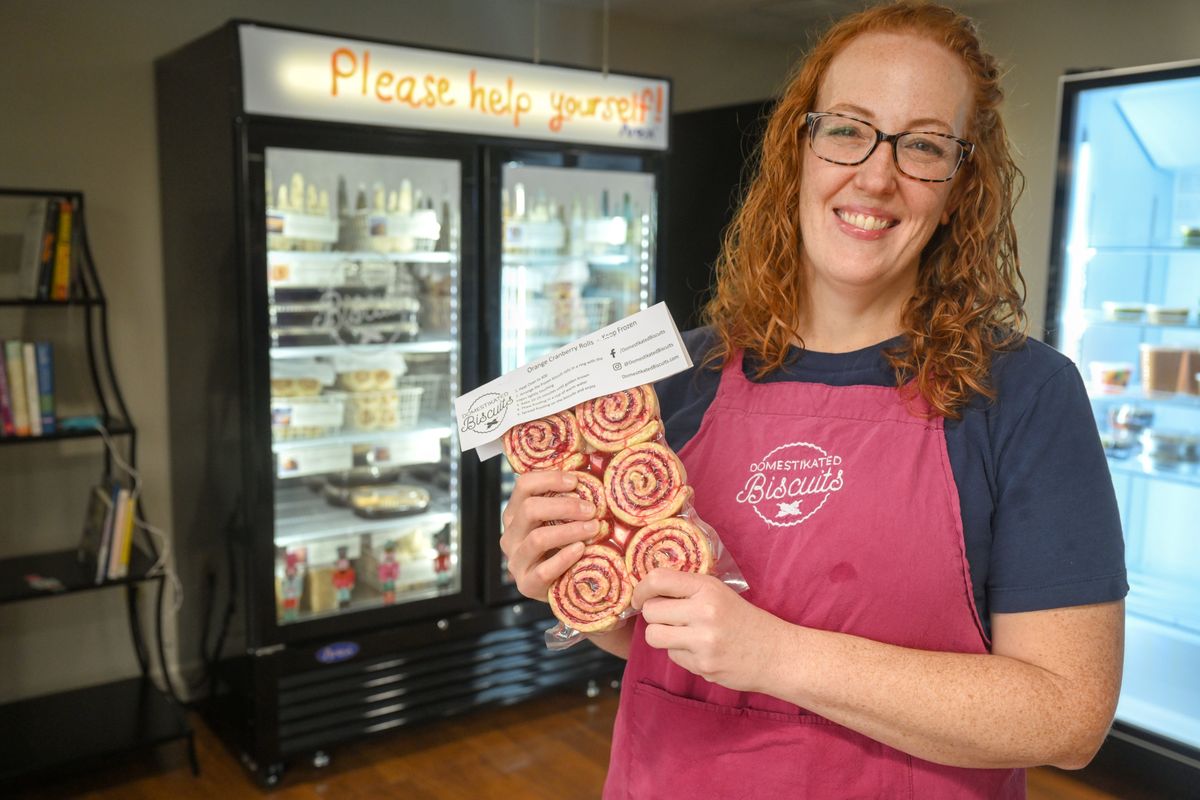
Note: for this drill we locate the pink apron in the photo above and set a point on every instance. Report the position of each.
(840, 508)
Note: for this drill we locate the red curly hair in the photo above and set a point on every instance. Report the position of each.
(969, 299)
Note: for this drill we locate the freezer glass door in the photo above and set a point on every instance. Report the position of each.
(577, 254)
(363, 293)
(1130, 292)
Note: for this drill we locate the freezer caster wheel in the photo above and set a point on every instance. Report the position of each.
(272, 775)
(321, 759)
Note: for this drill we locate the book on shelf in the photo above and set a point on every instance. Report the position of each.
(47, 405)
(60, 285)
(32, 398)
(106, 543)
(17, 394)
(31, 247)
(6, 413)
(27, 399)
(46, 265)
(121, 520)
(94, 522)
(39, 247)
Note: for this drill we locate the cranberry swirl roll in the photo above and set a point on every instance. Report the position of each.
(645, 483)
(551, 442)
(620, 419)
(588, 488)
(592, 594)
(674, 543)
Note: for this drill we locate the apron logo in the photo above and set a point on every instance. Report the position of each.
(791, 483)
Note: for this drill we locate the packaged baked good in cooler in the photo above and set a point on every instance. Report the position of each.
(307, 417)
(614, 447)
(368, 372)
(299, 378)
(386, 502)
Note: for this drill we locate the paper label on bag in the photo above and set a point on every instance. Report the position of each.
(642, 348)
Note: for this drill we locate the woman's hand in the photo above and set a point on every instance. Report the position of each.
(538, 553)
(709, 629)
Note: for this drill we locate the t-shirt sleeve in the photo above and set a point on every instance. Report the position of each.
(684, 397)
(1056, 527)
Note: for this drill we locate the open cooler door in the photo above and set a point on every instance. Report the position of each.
(1124, 305)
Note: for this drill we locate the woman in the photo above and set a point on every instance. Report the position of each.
(915, 493)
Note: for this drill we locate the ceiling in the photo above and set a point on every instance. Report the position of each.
(787, 21)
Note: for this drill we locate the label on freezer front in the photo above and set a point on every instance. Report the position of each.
(292, 74)
(642, 348)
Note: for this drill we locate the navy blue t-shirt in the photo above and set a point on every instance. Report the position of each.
(1040, 518)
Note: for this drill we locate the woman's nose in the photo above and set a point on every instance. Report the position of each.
(878, 173)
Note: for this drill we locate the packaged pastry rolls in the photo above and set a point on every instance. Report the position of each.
(615, 448)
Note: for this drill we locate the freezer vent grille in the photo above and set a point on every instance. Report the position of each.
(330, 705)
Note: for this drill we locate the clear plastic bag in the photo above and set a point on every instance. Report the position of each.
(615, 448)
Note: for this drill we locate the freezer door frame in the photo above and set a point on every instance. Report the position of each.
(258, 134)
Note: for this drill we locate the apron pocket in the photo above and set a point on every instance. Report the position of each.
(689, 748)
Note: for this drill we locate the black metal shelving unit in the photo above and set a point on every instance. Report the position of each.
(85, 726)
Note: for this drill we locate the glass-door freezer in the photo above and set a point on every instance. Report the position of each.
(1124, 304)
(363, 287)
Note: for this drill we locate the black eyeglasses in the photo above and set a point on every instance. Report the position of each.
(921, 155)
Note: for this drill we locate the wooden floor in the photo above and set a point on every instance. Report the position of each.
(554, 747)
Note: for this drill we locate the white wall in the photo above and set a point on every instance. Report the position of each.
(76, 89)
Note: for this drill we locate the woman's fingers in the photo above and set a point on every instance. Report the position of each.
(542, 576)
(534, 484)
(545, 540)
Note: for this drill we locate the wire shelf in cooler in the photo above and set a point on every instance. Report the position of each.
(426, 429)
(1096, 319)
(418, 345)
(610, 260)
(325, 256)
(1136, 394)
(1186, 473)
(302, 516)
(535, 259)
(1166, 248)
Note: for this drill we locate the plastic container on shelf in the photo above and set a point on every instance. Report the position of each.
(1189, 383)
(435, 392)
(396, 232)
(289, 230)
(1111, 376)
(367, 372)
(1171, 447)
(299, 378)
(1160, 367)
(1167, 315)
(1127, 421)
(1122, 311)
(307, 417)
(391, 409)
(388, 502)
